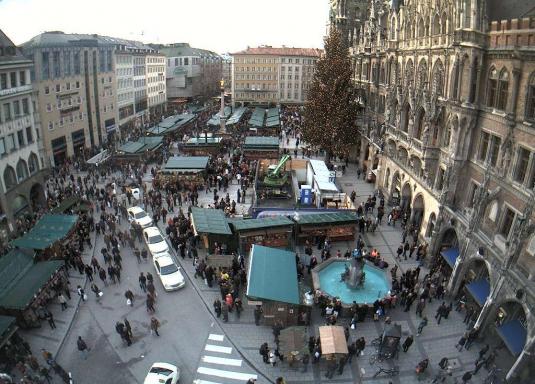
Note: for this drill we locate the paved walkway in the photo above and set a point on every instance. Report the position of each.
(244, 338)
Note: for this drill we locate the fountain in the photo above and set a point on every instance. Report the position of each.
(351, 280)
(354, 276)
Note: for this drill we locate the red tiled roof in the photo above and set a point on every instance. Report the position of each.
(284, 51)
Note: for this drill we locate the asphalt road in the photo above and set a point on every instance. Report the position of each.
(185, 326)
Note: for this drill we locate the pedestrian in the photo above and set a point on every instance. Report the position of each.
(272, 359)
(50, 318)
(81, 293)
(421, 326)
(466, 377)
(82, 347)
(331, 367)
(150, 303)
(154, 325)
(352, 350)
(483, 351)
(304, 360)
(224, 311)
(152, 289)
(462, 341)
(217, 308)
(128, 327)
(478, 364)
(407, 343)
(129, 297)
(62, 302)
(251, 381)
(341, 364)
(142, 282)
(490, 360)
(95, 290)
(440, 312)
(472, 336)
(264, 350)
(257, 314)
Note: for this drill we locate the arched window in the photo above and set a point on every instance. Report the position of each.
(436, 25)
(10, 180)
(33, 163)
(444, 24)
(387, 178)
(419, 128)
(530, 100)
(421, 27)
(22, 170)
(492, 88)
(503, 90)
(438, 78)
(393, 27)
(409, 73)
(447, 137)
(421, 80)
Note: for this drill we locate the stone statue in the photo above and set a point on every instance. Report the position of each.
(506, 149)
(354, 275)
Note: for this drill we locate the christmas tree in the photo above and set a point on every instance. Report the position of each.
(331, 109)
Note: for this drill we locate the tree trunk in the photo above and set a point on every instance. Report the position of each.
(327, 157)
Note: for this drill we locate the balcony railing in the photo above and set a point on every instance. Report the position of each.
(15, 90)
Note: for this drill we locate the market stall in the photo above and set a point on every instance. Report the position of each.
(333, 341)
(261, 147)
(212, 226)
(25, 285)
(279, 295)
(337, 226)
(142, 150)
(46, 235)
(202, 146)
(268, 231)
(189, 171)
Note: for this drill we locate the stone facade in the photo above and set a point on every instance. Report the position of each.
(22, 164)
(267, 76)
(449, 96)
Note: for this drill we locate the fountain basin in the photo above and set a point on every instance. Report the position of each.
(326, 278)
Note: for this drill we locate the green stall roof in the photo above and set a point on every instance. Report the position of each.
(272, 275)
(263, 223)
(328, 218)
(47, 231)
(212, 221)
(131, 147)
(7, 325)
(23, 289)
(261, 142)
(186, 163)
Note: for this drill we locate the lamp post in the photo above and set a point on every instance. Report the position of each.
(222, 118)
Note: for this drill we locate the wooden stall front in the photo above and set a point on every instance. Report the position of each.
(279, 294)
(212, 227)
(202, 146)
(273, 232)
(261, 147)
(337, 226)
(189, 171)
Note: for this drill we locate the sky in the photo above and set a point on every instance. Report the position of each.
(218, 25)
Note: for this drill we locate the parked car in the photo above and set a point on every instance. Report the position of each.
(168, 271)
(162, 373)
(139, 216)
(155, 241)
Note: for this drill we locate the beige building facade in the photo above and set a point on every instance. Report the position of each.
(76, 89)
(270, 76)
(449, 96)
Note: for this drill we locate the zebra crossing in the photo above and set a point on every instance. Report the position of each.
(221, 364)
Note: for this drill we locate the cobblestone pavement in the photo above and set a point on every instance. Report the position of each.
(239, 336)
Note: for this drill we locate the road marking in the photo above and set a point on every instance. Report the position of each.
(216, 337)
(226, 374)
(217, 348)
(199, 381)
(222, 361)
